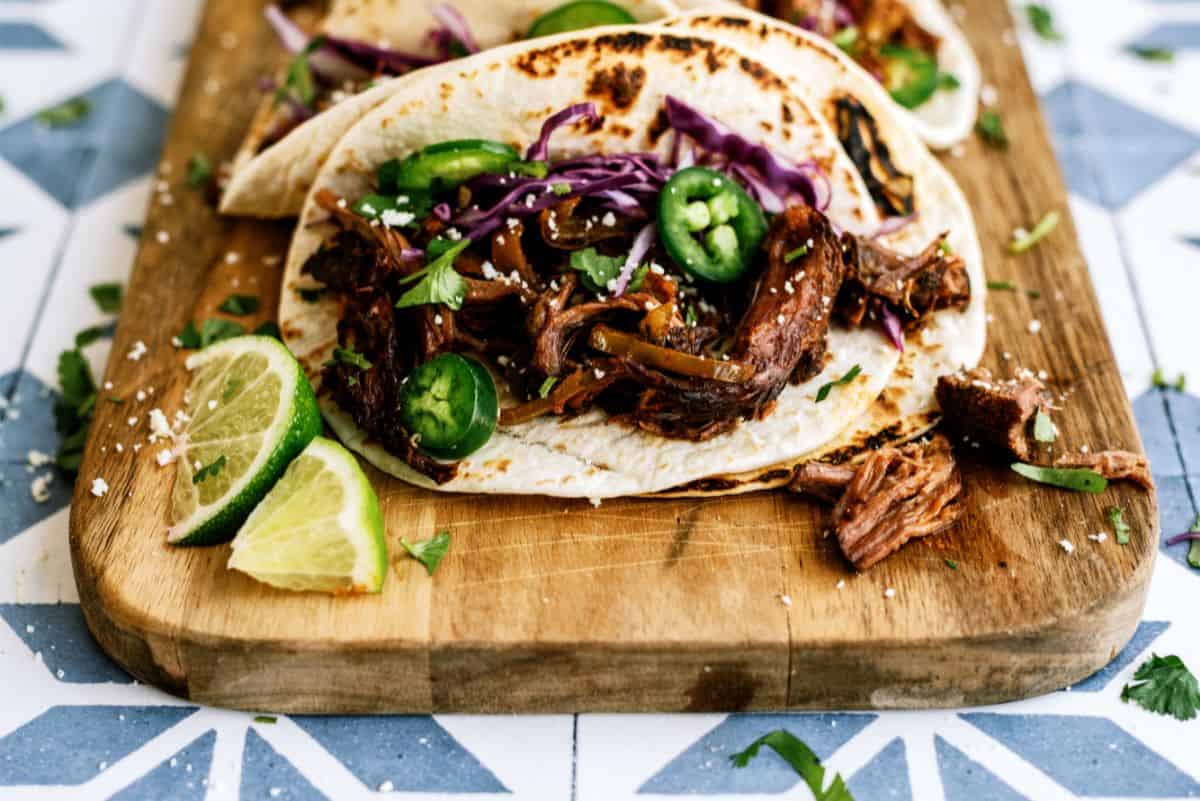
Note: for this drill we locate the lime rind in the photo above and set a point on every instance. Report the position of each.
(257, 450)
(320, 529)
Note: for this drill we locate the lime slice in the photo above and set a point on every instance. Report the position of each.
(251, 411)
(319, 529)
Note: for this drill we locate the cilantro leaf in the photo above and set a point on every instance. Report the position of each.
(1151, 53)
(846, 39)
(1048, 223)
(239, 304)
(74, 407)
(299, 84)
(546, 386)
(1164, 685)
(803, 761)
(65, 115)
(215, 330)
(948, 81)
(108, 296)
(268, 329)
(199, 170)
(351, 357)
(428, 552)
(209, 470)
(798, 253)
(599, 270)
(437, 282)
(1044, 429)
(189, 337)
(1042, 22)
(89, 335)
(1073, 478)
(850, 375)
(1193, 556)
(265, 719)
(1117, 520)
(990, 128)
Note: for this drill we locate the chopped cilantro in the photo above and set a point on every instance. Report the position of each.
(798, 253)
(1159, 380)
(1042, 22)
(1048, 223)
(1151, 53)
(846, 39)
(599, 270)
(299, 84)
(74, 407)
(1164, 685)
(944, 247)
(991, 129)
(802, 760)
(108, 297)
(199, 170)
(239, 304)
(947, 81)
(546, 386)
(1180, 383)
(689, 315)
(65, 115)
(115, 399)
(209, 470)
(1043, 427)
(1193, 556)
(850, 375)
(1072, 478)
(560, 188)
(189, 337)
(428, 552)
(268, 329)
(1117, 520)
(265, 719)
(89, 335)
(310, 295)
(351, 357)
(215, 330)
(1006, 286)
(437, 282)
(531, 169)
(950, 563)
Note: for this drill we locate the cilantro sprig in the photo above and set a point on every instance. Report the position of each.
(1116, 519)
(802, 760)
(599, 271)
(428, 552)
(67, 114)
(74, 407)
(850, 375)
(1042, 22)
(1079, 479)
(437, 282)
(990, 128)
(211, 331)
(1164, 685)
(108, 296)
(239, 304)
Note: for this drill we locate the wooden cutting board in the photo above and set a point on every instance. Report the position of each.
(637, 605)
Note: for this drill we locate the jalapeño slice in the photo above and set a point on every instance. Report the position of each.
(449, 406)
(708, 224)
(910, 75)
(578, 15)
(445, 165)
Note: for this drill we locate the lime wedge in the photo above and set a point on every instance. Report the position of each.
(251, 411)
(319, 529)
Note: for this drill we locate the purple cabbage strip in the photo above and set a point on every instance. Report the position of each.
(412, 254)
(893, 224)
(373, 58)
(442, 212)
(478, 222)
(783, 177)
(641, 246)
(891, 327)
(456, 25)
(324, 61)
(1187, 535)
(540, 150)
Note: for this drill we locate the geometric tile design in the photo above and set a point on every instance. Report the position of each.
(266, 774)
(124, 125)
(1158, 435)
(27, 424)
(7, 232)
(1184, 409)
(178, 778)
(884, 778)
(1090, 756)
(964, 779)
(1146, 633)
(704, 768)
(58, 633)
(1111, 151)
(1179, 35)
(410, 751)
(27, 36)
(71, 744)
(1177, 511)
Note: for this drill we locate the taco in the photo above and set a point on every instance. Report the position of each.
(652, 261)
(345, 69)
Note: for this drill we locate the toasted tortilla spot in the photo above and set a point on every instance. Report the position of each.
(618, 86)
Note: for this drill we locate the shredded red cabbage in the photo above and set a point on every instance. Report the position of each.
(455, 25)
(1185, 536)
(893, 224)
(412, 254)
(540, 149)
(891, 327)
(324, 61)
(531, 197)
(442, 212)
(641, 246)
(783, 177)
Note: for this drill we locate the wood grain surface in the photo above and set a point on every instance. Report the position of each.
(638, 605)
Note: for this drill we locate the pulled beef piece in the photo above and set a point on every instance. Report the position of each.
(913, 286)
(822, 480)
(782, 335)
(508, 256)
(891, 189)
(1113, 465)
(883, 22)
(568, 226)
(897, 494)
(998, 414)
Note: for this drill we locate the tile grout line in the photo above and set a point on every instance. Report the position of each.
(87, 173)
(574, 756)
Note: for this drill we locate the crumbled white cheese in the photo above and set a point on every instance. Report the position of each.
(1099, 536)
(131, 422)
(158, 423)
(786, 600)
(232, 257)
(1067, 546)
(164, 457)
(988, 95)
(163, 237)
(137, 351)
(39, 488)
(841, 584)
(609, 219)
(395, 219)
(99, 487)
(386, 787)
(36, 458)
(594, 502)
(889, 593)
(1035, 326)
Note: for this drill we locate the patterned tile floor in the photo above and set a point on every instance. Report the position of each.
(73, 726)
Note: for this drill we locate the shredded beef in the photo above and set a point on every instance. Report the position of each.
(998, 414)
(822, 480)
(912, 286)
(1113, 465)
(897, 494)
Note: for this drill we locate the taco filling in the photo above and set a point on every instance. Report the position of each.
(885, 38)
(680, 295)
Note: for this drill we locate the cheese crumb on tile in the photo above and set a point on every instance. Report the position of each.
(39, 488)
(99, 487)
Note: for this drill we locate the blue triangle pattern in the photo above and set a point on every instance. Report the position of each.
(27, 424)
(704, 767)
(1184, 411)
(181, 777)
(266, 774)
(1147, 632)
(1110, 150)
(885, 777)
(1158, 438)
(124, 125)
(964, 779)
(68, 744)
(413, 752)
(1090, 756)
(1194, 241)
(1176, 35)
(58, 633)
(27, 36)
(5, 233)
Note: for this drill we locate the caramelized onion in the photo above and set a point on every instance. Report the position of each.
(619, 343)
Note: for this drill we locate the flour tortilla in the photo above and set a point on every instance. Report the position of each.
(942, 121)
(953, 339)
(506, 95)
(272, 182)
